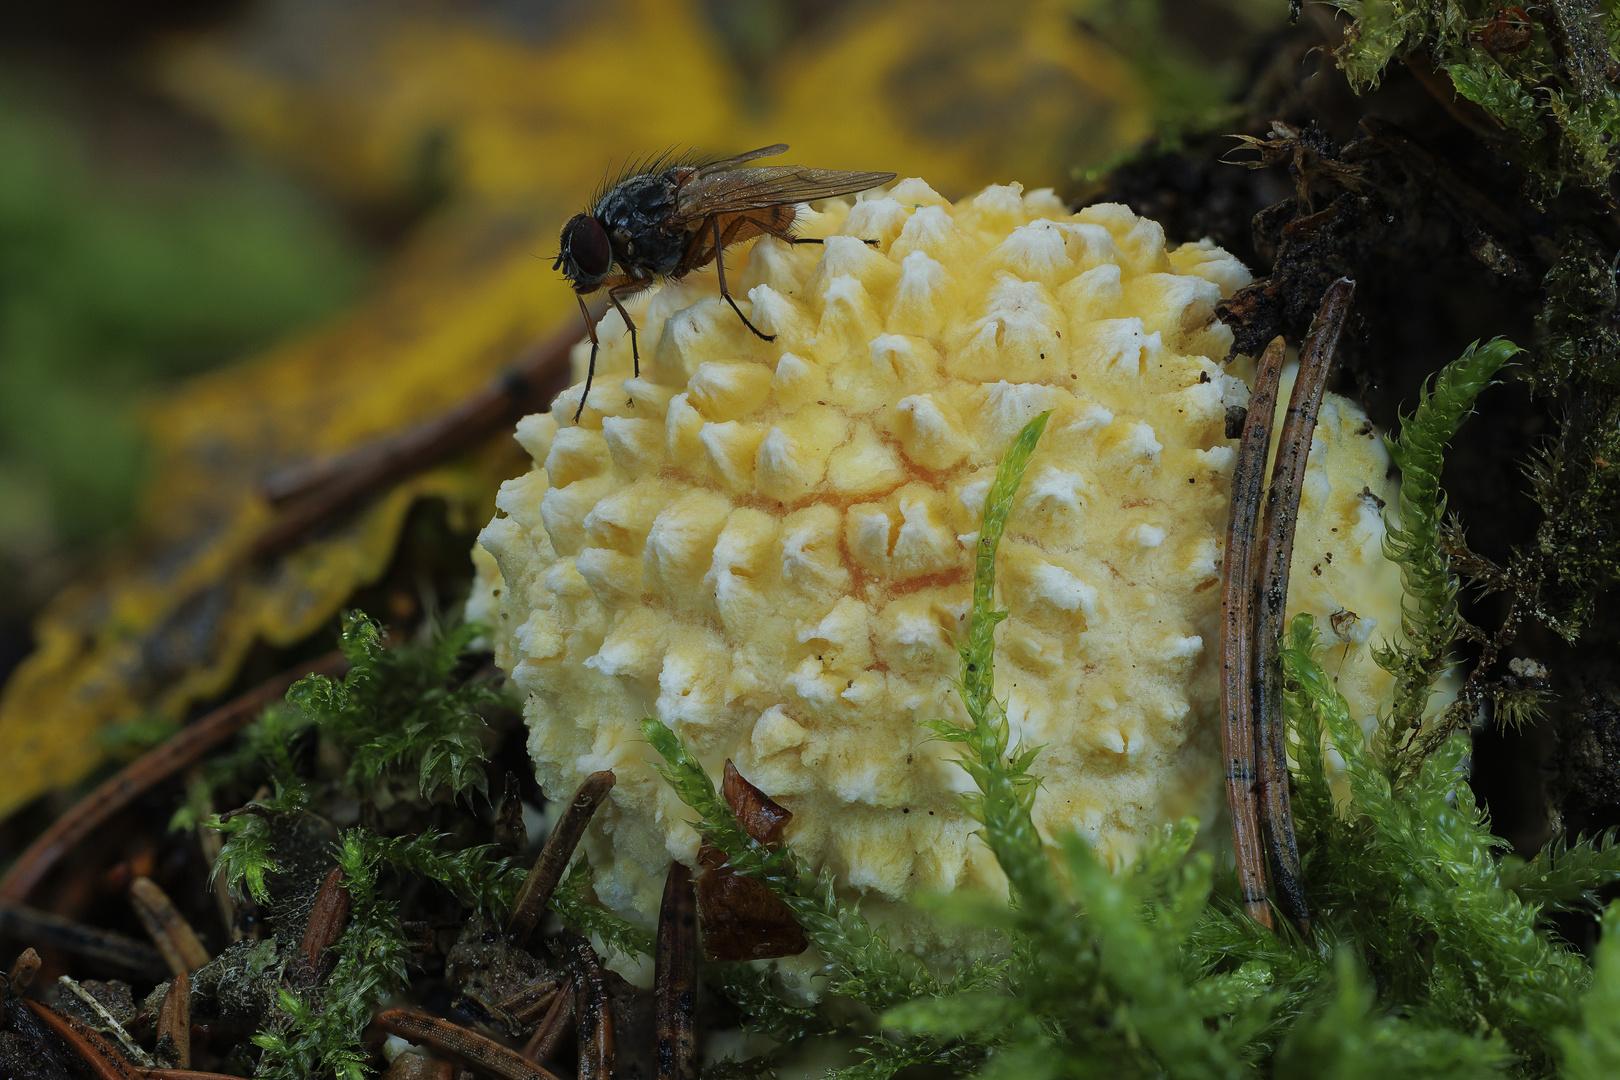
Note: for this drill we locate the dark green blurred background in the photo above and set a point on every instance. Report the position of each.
(136, 246)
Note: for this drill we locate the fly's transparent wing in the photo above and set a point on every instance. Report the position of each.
(733, 162)
(729, 191)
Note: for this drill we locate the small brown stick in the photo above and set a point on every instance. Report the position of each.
(481, 1053)
(675, 979)
(321, 490)
(174, 1021)
(23, 970)
(96, 1052)
(532, 1002)
(173, 936)
(554, 856)
(149, 770)
(184, 1074)
(420, 935)
(593, 1013)
(20, 922)
(1282, 513)
(1237, 634)
(558, 1019)
(417, 1067)
(109, 1022)
(328, 918)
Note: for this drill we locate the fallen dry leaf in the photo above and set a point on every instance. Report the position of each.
(167, 625)
(742, 918)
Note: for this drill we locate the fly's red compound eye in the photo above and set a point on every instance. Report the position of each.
(586, 245)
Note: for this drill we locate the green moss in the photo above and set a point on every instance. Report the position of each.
(393, 711)
(1429, 955)
(1592, 1046)
(571, 905)
(1549, 102)
(318, 1033)
(1429, 612)
(1575, 479)
(1564, 875)
(397, 711)
(1580, 337)
(863, 965)
(115, 279)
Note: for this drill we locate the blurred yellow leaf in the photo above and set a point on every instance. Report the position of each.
(168, 625)
(959, 92)
(378, 111)
(377, 103)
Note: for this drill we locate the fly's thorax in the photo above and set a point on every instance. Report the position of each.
(638, 215)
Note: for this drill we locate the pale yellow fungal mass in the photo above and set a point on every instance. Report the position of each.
(768, 544)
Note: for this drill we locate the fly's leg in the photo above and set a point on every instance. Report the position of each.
(590, 372)
(613, 295)
(818, 240)
(720, 269)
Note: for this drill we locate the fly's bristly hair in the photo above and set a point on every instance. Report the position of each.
(652, 163)
(656, 161)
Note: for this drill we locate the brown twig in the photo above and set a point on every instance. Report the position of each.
(24, 923)
(174, 937)
(328, 917)
(149, 770)
(174, 1021)
(98, 1055)
(548, 868)
(675, 979)
(417, 1067)
(109, 1023)
(420, 936)
(532, 1002)
(469, 1046)
(184, 1074)
(1237, 634)
(315, 492)
(23, 970)
(1282, 513)
(593, 1013)
(559, 1018)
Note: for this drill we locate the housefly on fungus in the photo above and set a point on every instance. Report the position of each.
(668, 221)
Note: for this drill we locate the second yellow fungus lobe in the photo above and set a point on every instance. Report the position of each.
(768, 545)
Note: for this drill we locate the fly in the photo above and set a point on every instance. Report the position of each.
(665, 224)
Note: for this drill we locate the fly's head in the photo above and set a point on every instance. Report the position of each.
(586, 256)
